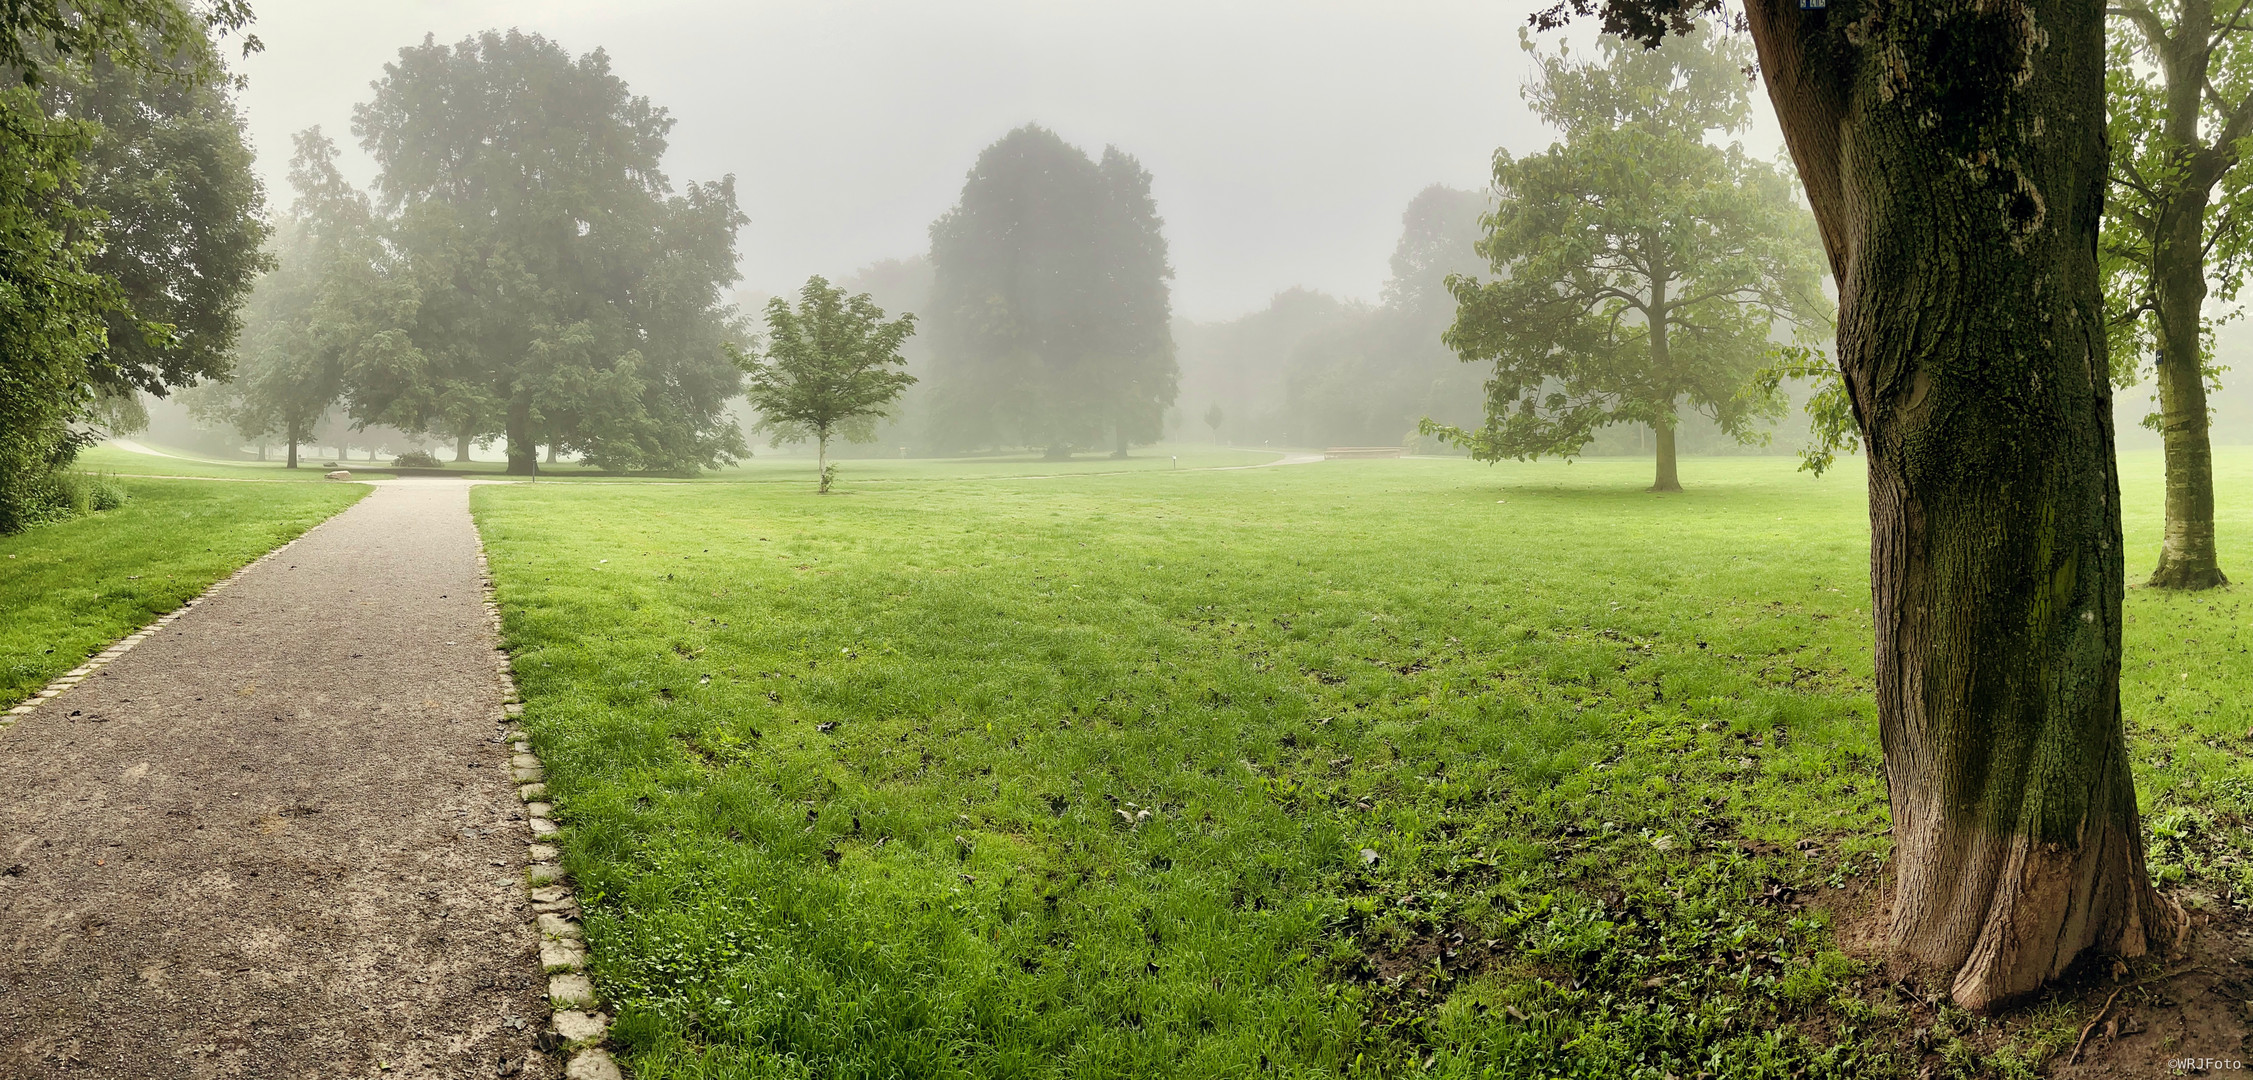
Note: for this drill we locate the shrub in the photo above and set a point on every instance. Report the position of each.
(416, 459)
(63, 494)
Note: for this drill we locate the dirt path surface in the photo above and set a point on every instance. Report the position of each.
(277, 839)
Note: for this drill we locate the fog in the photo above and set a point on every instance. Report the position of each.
(1285, 136)
(1284, 139)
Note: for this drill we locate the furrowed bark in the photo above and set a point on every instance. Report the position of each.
(1954, 155)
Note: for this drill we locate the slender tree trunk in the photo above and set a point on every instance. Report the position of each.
(1955, 159)
(293, 437)
(2187, 559)
(461, 446)
(523, 453)
(821, 461)
(1667, 480)
(1662, 369)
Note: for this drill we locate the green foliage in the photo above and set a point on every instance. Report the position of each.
(1830, 412)
(417, 459)
(72, 588)
(1642, 269)
(37, 37)
(53, 305)
(829, 367)
(1050, 313)
(582, 311)
(169, 171)
(2164, 168)
(127, 219)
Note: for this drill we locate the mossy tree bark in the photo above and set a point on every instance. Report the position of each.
(1954, 154)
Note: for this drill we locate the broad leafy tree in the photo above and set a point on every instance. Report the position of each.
(2180, 85)
(830, 366)
(182, 216)
(1642, 269)
(68, 332)
(1956, 161)
(569, 295)
(1051, 313)
(330, 311)
(53, 305)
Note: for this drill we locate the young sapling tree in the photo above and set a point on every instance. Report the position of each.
(831, 366)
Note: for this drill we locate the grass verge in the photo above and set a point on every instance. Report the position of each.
(1357, 769)
(70, 589)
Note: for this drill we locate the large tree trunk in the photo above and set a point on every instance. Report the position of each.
(461, 447)
(294, 436)
(523, 453)
(1667, 480)
(1954, 156)
(551, 453)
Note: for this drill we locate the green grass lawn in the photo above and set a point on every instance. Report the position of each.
(765, 467)
(117, 461)
(1409, 767)
(68, 590)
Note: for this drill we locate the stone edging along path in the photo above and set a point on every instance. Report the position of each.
(577, 1028)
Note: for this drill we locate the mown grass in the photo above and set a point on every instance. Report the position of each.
(1355, 769)
(116, 460)
(69, 589)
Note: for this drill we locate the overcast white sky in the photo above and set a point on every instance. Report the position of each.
(1285, 136)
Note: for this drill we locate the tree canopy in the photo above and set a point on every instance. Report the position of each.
(1642, 269)
(1051, 312)
(568, 295)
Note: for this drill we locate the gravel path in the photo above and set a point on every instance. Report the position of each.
(277, 839)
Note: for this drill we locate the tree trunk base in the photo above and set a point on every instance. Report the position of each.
(2054, 906)
(1666, 487)
(2186, 575)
